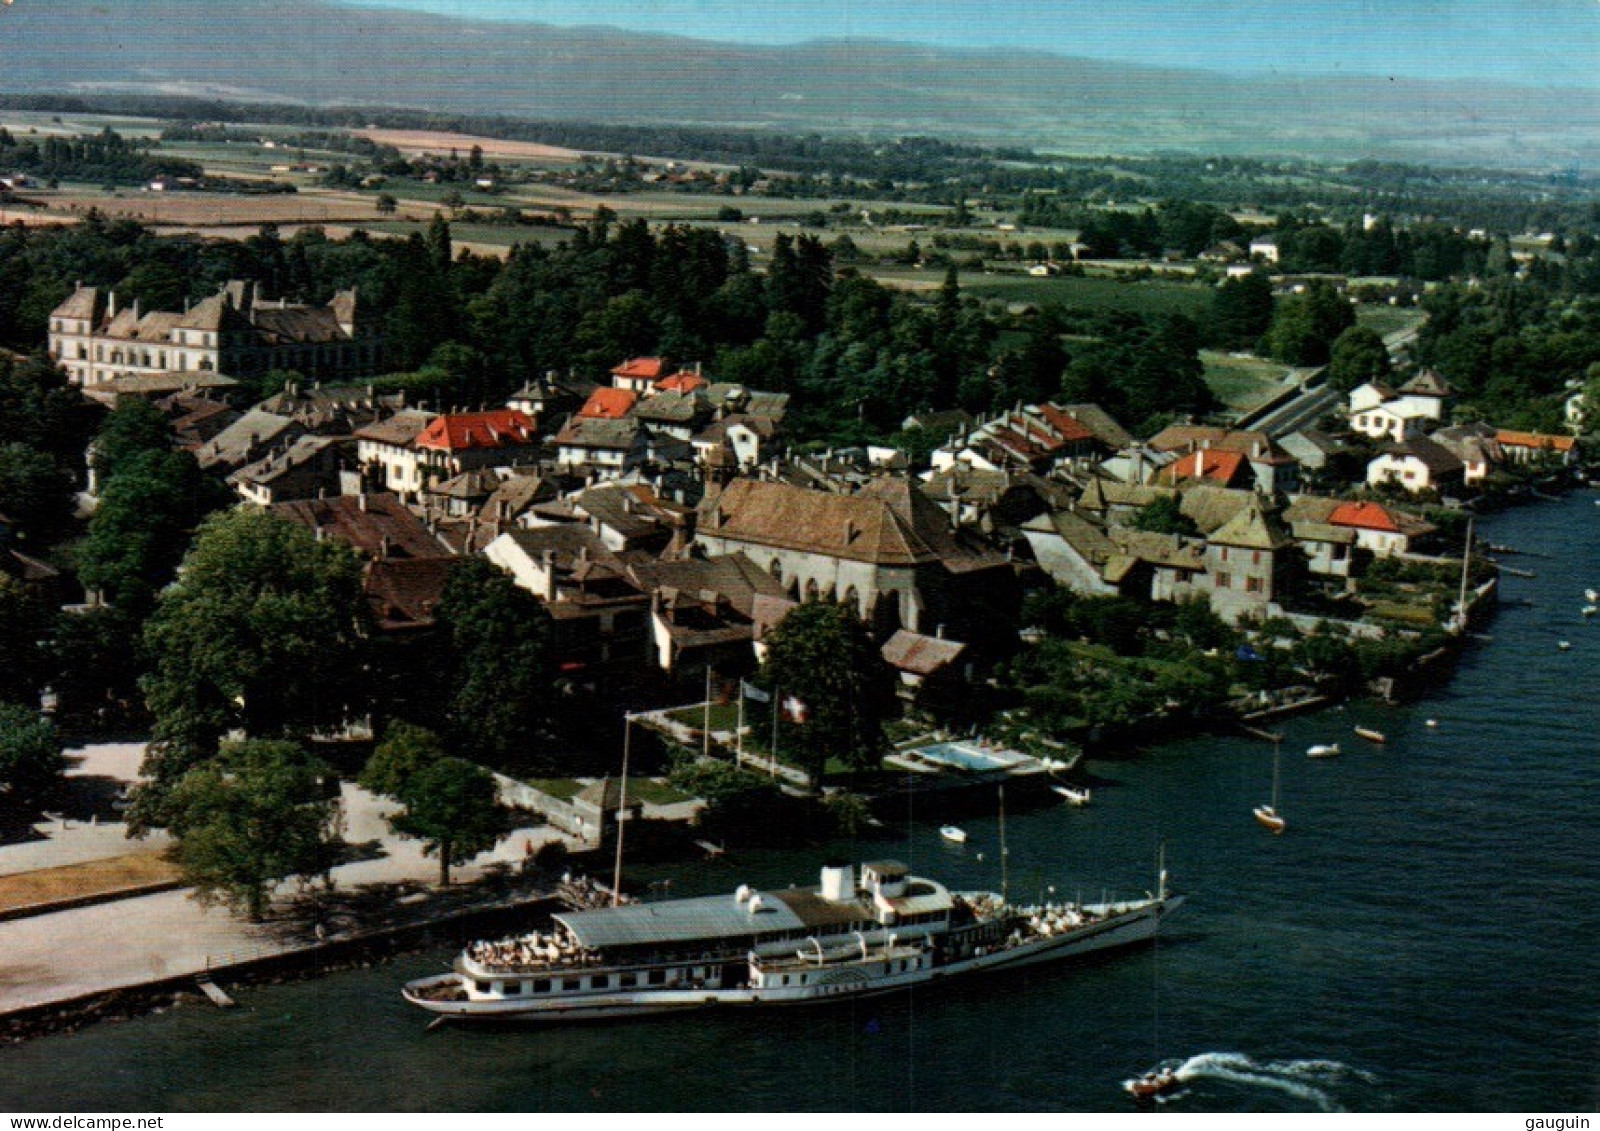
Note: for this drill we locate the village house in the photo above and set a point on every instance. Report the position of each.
(233, 332)
(605, 447)
(1397, 415)
(1416, 465)
(702, 611)
(252, 437)
(1246, 561)
(931, 672)
(599, 614)
(1536, 447)
(376, 525)
(1383, 530)
(1476, 445)
(303, 469)
(388, 449)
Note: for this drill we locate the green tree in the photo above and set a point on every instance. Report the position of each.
(31, 765)
(1164, 515)
(1358, 356)
(386, 204)
(34, 492)
(1305, 326)
(264, 631)
(134, 427)
(499, 659)
(253, 816)
(406, 750)
(25, 622)
(1241, 311)
(95, 664)
(138, 533)
(451, 806)
(822, 655)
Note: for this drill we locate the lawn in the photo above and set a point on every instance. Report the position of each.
(77, 881)
(562, 789)
(1241, 383)
(653, 791)
(1386, 320)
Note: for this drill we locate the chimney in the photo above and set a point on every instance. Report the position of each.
(549, 562)
(361, 501)
(383, 546)
(939, 632)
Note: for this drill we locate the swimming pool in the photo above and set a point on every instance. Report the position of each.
(969, 756)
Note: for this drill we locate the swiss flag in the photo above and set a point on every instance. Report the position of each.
(795, 710)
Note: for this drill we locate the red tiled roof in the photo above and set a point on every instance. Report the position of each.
(646, 368)
(1367, 516)
(609, 404)
(681, 382)
(498, 428)
(1208, 463)
(1535, 440)
(1068, 427)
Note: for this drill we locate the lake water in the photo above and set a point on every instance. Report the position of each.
(1425, 936)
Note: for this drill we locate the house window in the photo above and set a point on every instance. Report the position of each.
(1224, 581)
(1224, 553)
(1255, 557)
(1252, 585)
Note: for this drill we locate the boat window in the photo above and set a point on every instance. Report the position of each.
(600, 981)
(481, 987)
(657, 977)
(571, 983)
(627, 980)
(510, 989)
(784, 980)
(541, 985)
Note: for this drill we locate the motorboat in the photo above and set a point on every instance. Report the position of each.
(953, 834)
(1371, 735)
(1152, 1084)
(1323, 750)
(1075, 797)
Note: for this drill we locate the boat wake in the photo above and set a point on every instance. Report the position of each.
(1311, 1081)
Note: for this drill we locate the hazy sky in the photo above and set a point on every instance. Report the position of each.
(1543, 42)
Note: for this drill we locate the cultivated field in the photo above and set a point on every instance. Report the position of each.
(494, 149)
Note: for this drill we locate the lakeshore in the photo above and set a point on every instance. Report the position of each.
(1422, 925)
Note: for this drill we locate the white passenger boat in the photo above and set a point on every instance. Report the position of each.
(954, 834)
(1323, 750)
(845, 938)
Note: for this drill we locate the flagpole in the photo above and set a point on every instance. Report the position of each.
(705, 749)
(738, 730)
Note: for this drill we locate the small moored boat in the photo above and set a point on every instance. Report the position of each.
(1078, 797)
(1323, 750)
(1371, 735)
(953, 834)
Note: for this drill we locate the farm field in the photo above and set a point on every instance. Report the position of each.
(494, 149)
(1241, 383)
(1093, 293)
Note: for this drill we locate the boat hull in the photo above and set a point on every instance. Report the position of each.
(1127, 928)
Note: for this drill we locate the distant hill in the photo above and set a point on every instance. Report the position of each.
(309, 51)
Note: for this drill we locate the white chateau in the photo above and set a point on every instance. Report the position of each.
(232, 333)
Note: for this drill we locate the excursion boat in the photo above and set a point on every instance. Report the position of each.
(848, 937)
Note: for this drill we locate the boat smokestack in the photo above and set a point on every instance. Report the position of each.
(838, 882)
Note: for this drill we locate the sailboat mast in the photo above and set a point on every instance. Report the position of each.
(622, 809)
(1005, 852)
(1466, 563)
(1277, 747)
